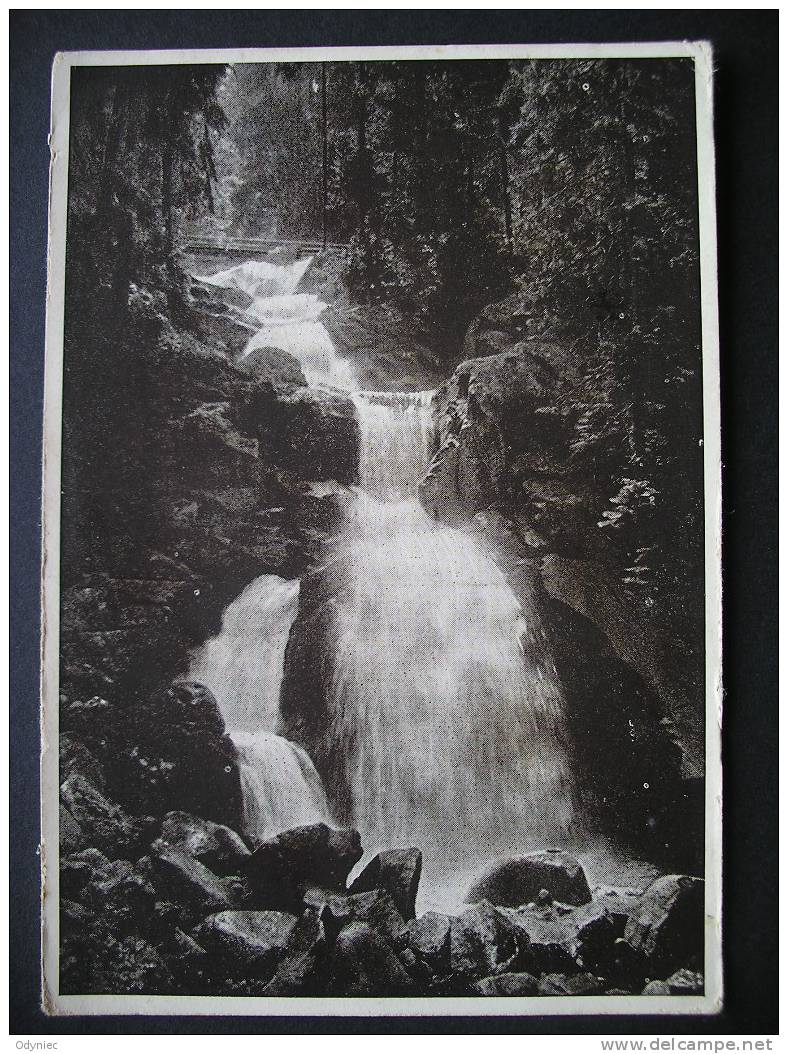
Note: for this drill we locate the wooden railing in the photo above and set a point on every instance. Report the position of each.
(205, 243)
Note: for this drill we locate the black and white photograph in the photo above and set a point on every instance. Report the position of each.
(382, 628)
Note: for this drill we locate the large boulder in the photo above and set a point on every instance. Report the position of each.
(589, 588)
(176, 756)
(666, 925)
(273, 366)
(484, 941)
(246, 943)
(428, 939)
(520, 880)
(282, 868)
(363, 964)
(188, 881)
(375, 909)
(100, 820)
(306, 427)
(595, 945)
(194, 704)
(571, 984)
(299, 969)
(213, 844)
(507, 984)
(397, 871)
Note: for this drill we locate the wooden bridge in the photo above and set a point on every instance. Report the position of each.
(199, 243)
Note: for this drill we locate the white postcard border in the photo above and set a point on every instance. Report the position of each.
(302, 1006)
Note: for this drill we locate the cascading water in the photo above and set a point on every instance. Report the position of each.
(243, 664)
(445, 695)
(447, 707)
(285, 319)
(243, 668)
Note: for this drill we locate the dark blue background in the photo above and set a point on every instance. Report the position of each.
(746, 52)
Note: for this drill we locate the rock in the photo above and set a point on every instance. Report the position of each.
(483, 941)
(596, 942)
(102, 821)
(398, 872)
(274, 366)
(189, 881)
(122, 894)
(656, 988)
(574, 984)
(72, 837)
(507, 984)
(75, 757)
(194, 704)
(247, 943)
(626, 966)
(544, 898)
(298, 969)
(667, 923)
(428, 938)
(521, 879)
(363, 964)
(375, 909)
(282, 868)
(187, 961)
(213, 844)
(685, 982)
(210, 434)
(306, 428)
(80, 868)
(682, 982)
(541, 958)
(589, 589)
(617, 901)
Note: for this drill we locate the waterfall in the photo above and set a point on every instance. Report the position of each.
(243, 668)
(444, 695)
(260, 279)
(280, 787)
(284, 319)
(445, 702)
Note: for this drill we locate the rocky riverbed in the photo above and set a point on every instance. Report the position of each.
(180, 904)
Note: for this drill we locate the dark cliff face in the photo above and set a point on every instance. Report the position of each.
(186, 477)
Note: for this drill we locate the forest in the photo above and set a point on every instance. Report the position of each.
(565, 195)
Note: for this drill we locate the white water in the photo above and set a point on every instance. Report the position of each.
(243, 668)
(446, 697)
(446, 700)
(287, 320)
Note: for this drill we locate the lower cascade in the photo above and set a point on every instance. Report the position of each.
(444, 692)
(243, 668)
(443, 702)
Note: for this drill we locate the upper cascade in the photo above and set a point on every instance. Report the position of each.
(258, 278)
(284, 319)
